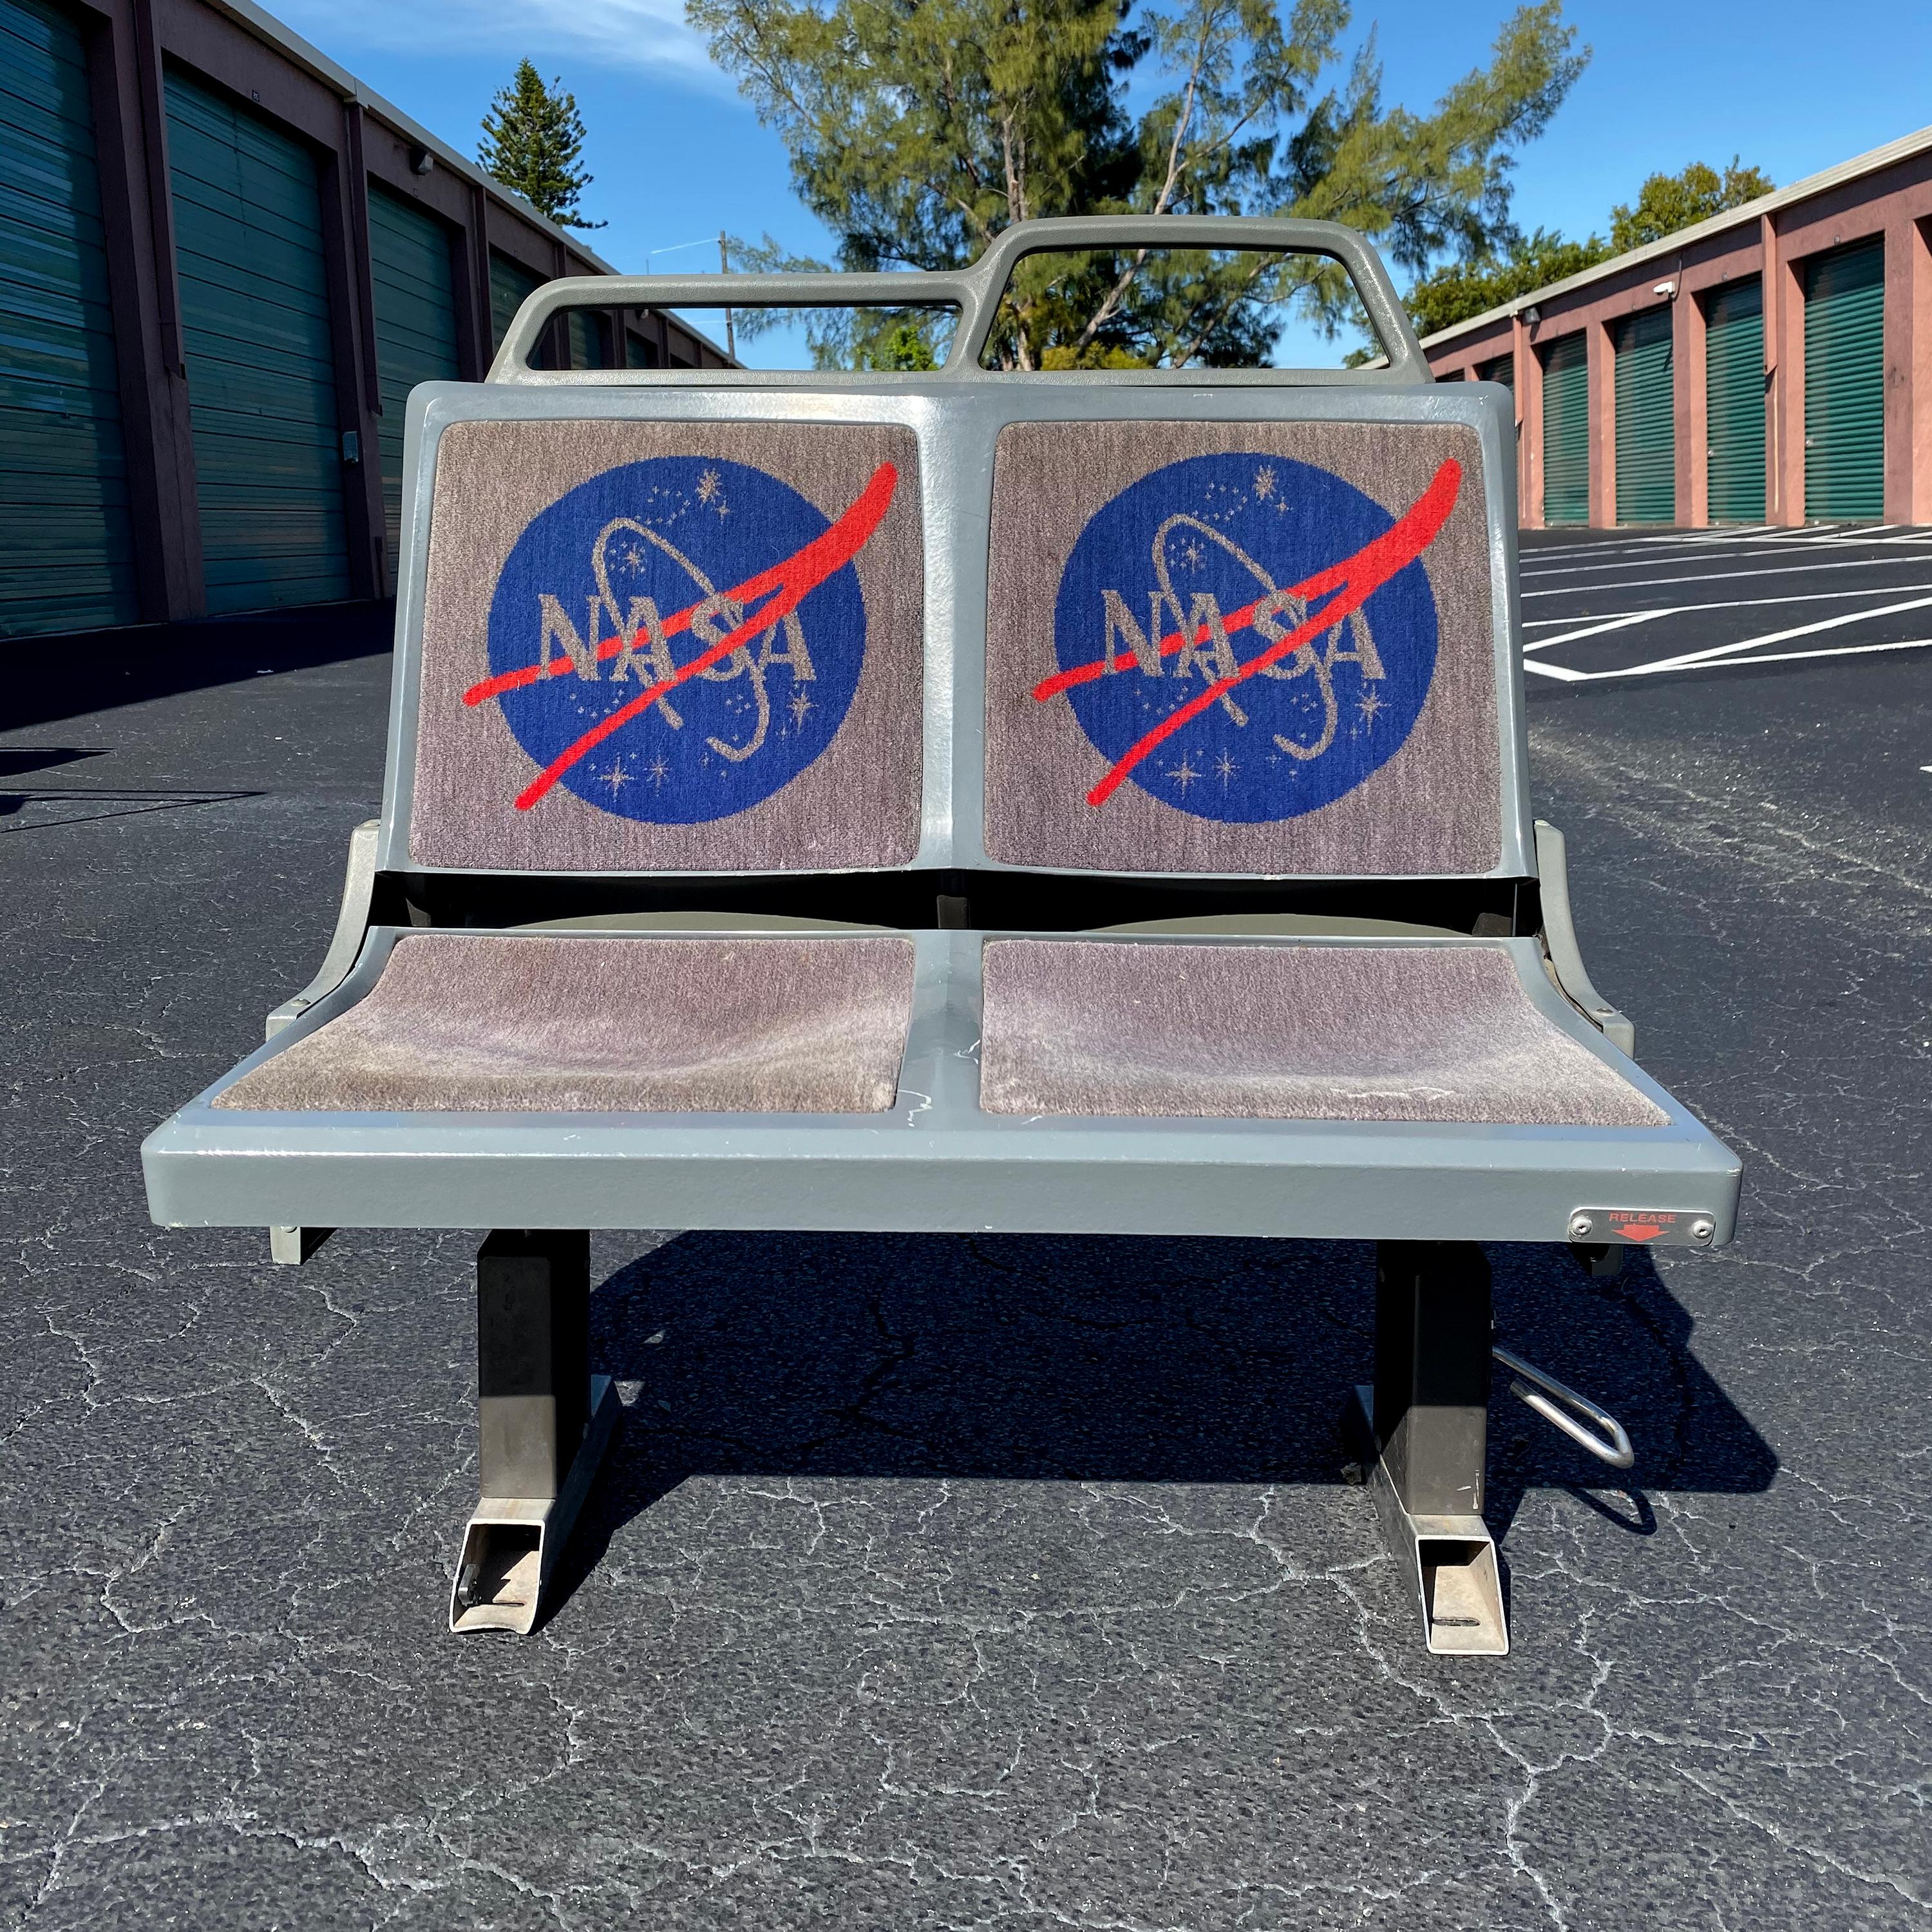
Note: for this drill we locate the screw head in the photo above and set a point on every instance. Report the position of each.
(1702, 1230)
(1580, 1226)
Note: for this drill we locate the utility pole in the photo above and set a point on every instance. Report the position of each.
(725, 268)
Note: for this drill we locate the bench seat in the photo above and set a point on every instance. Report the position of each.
(938, 1159)
(1074, 802)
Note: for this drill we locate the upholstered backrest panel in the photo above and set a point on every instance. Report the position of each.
(671, 647)
(1245, 648)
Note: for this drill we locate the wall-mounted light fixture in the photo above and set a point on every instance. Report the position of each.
(1667, 289)
(421, 160)
(1531, 315)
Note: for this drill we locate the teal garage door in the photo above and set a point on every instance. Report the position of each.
(261, 370)
(416, 340)
(510, 282)
(1844, 385)
(66, 557)
(1646, 438)
(1734, 402)
(1566, 432)
(1502, 370)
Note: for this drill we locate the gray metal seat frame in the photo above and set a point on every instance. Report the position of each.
(1428, 1193)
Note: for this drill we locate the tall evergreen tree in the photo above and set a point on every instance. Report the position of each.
(533, 142)
(918, 129)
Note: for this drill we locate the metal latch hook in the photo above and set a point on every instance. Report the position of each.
(1613, 1447)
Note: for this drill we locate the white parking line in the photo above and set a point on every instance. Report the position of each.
(1724, 576)
(1597, 630)
(1569, 676)
(1611, 619)
(1707, 554)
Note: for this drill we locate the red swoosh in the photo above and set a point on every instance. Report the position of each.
(1355, 578)
(794, 579)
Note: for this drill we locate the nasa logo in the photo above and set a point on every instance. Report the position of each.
(1247, 637)
(596, 614)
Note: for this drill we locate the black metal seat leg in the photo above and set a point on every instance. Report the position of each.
(1421, 1435)
(543, 1422)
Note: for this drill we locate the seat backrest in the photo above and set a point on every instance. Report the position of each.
(1243, 624)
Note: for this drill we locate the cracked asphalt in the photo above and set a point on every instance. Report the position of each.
(964, 1583)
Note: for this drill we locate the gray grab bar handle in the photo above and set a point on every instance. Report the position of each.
(976, 292)
(1335, 239)
(1613, 1447)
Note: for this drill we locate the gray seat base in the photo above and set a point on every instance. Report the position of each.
(936, 1161)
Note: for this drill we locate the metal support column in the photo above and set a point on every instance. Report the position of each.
(543, 1422)
(1420, 1435)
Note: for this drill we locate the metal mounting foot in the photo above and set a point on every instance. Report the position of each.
(543, 1424)
(511, 1544)
(1419, 1434)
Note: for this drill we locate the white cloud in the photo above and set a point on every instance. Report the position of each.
(648, 35)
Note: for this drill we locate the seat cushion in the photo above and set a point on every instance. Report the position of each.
(1285, 1032)
(487, 1023)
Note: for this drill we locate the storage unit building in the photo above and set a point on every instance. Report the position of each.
(1771, 365)
(224, 263)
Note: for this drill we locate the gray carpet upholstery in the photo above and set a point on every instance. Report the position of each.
(857, 804)
(1284, 1032)
(1433, 809)
(486, 1023)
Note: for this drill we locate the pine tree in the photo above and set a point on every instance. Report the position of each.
(532, 142)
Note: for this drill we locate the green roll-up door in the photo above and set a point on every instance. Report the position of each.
(66, 558)
(416, 329)
(1646, 437)
(510, 282)
(1566, 432)
(261, 367)
(1501, 370)
(1734, 402)
(1844, 385)
(585, 334)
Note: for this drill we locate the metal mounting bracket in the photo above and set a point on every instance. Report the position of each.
(1420, 1435)
(511, 1543)
(543, 1424)
(1448, 1561)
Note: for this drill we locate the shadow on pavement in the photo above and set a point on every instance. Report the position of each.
(1104, 1360)
(86, 671)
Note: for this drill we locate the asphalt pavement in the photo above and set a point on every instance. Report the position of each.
(978, 1583)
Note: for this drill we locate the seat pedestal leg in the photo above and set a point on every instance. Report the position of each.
(543, 1422)
(1419, 1434)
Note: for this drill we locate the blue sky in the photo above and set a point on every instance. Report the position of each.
(1785, 84)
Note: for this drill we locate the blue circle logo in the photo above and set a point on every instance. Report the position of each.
(622, 587)
(1196, 571)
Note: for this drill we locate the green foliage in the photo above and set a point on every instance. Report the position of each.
(840, 338)
(903, 346)
(1460, 290)
(532, 142)
(1665, 203)
(919, 129)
